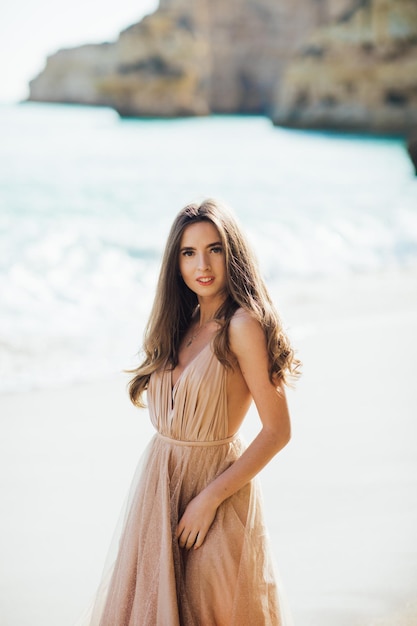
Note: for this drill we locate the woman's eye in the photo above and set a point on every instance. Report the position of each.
(217, 249)
(187, 253)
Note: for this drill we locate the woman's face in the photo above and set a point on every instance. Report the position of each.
(202, 260)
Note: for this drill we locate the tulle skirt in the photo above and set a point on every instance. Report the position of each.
(150, 581)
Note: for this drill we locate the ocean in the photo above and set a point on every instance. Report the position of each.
(87, 199)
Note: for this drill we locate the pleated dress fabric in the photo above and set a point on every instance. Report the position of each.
(230, 580)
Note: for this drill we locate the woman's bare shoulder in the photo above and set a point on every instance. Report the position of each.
(241, 317)
(245, 331)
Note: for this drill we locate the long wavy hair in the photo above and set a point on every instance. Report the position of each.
(175, 304)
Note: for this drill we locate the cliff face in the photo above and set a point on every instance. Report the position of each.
(358, 73)
(189, 58)
(72, 73)
(158, 67)
(251, 42)
(162, 68)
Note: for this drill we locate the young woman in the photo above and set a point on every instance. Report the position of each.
(193, 549)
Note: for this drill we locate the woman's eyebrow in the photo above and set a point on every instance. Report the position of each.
(210, 245)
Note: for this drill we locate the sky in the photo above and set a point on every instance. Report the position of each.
(30, 30)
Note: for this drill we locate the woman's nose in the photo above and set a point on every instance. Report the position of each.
(203, 262)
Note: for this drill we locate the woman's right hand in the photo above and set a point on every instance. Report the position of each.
(196, 521)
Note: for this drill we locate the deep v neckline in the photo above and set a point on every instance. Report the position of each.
(174, 386)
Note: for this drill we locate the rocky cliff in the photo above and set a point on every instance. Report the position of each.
(359, 73)
(189, 58)
(158, 67)
(251, 42)
(343, 64)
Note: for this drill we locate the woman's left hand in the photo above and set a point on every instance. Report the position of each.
(196, 521)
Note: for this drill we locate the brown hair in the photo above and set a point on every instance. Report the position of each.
(175, 303)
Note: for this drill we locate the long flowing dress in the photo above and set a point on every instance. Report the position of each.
(230, 580)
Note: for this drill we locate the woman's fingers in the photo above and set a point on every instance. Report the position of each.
(191, 539)
(199, 540)
(187, 540)
(195, 522)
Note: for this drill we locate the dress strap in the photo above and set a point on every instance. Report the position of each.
(181, 442)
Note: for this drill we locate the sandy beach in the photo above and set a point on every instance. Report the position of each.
(341, 499)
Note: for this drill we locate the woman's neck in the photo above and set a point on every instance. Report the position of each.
(208, 310)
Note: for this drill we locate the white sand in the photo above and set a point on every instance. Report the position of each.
(341, 500)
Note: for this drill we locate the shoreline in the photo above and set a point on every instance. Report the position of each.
(395, 134)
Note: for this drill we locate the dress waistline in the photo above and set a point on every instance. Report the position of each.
(182, 442)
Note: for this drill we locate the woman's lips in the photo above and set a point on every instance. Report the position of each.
(205, 280)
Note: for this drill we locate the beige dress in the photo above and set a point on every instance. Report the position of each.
(229, 580)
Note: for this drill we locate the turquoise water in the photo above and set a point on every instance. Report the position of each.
(86, 200)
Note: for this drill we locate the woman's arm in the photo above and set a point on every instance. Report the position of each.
(248, 343)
